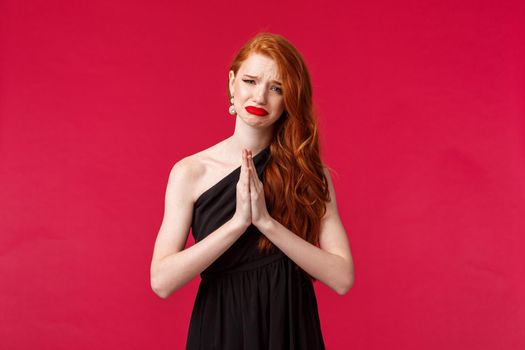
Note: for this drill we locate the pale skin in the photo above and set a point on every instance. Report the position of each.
(172, 266)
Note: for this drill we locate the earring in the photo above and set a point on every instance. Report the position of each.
(232, 107)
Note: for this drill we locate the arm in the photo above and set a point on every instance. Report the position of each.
(331, 263)
(172, 266)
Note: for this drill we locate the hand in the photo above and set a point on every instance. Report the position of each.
(259, 212)
(242, 213)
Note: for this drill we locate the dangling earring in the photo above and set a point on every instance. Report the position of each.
(232, 107)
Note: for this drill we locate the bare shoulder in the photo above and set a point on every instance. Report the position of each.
(200, 170)
(186, 173)
(189, 166)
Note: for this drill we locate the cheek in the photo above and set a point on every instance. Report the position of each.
(279, 104)
(242, 93)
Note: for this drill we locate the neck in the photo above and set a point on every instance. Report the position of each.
(249, 137)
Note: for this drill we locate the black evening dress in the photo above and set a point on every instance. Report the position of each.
(246, 299)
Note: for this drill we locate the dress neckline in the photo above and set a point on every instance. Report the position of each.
(227, 176)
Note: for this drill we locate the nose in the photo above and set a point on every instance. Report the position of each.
(260, 94)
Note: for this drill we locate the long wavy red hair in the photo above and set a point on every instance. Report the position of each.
(295, 186)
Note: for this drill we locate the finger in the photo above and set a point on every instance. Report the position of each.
(249, 171)
(244, 173)
(253, 181)
(253, 186)
(245, 164)
(255, 175)
(248, 164)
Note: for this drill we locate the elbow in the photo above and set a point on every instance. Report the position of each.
(157, 288)
(160, 293)
(346, 286)
(162, 286)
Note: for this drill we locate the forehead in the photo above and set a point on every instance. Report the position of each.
(260, 65)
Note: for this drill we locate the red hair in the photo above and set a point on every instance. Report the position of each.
(295, 186)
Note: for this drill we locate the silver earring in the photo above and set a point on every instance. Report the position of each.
(232, 107)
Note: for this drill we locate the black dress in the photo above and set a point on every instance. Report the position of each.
(248, 300)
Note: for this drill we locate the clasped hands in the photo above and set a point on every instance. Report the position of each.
(251, 204)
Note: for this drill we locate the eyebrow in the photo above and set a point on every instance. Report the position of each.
(256, 77)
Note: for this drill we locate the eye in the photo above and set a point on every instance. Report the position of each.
(279, 90)
(249, 81)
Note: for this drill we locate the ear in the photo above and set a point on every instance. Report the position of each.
(231, 77)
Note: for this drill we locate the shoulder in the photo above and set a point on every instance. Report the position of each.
(187, 173)
(185, 169)
(183, 176)
(194, 164)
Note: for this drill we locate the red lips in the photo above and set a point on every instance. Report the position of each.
(257, 111)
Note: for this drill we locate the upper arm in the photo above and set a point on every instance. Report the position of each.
(178, 212)
(333, 235)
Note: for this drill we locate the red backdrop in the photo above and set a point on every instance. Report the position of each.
(422, 117)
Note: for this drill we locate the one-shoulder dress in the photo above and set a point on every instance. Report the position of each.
(246, 299)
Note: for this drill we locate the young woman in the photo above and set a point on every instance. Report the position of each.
(264, 230)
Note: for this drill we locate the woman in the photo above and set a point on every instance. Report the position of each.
(264, 230)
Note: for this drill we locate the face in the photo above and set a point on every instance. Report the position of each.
(257, 91)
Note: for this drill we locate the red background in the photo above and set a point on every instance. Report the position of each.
(422, 117)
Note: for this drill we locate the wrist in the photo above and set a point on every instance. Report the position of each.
(265, 224)
(238, 225)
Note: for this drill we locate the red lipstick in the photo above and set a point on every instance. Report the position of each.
(257, 111)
